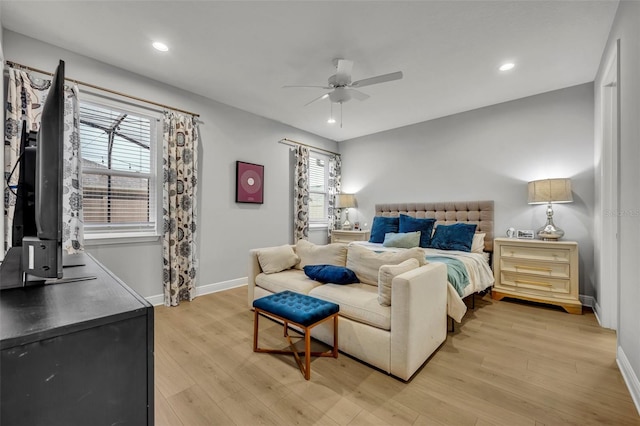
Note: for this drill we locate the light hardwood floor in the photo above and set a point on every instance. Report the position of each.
(508, 363)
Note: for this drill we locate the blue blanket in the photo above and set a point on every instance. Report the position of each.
(456, 272)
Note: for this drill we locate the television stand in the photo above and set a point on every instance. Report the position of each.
(76, 354)
(11, 275)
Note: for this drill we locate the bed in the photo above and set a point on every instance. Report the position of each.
(477, 265)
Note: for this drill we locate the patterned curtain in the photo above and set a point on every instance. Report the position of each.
(301, 194)
(25, 98)
(180, 159)
(335, 183)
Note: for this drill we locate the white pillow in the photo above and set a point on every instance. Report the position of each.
(386, 275)
(276, 259)
(312, 254)
(366, 263)
(477, 245)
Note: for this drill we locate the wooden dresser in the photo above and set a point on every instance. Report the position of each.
(539, 271)
(339, 236)
(76, 353)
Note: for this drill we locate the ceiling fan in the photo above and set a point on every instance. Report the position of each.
(343, 89)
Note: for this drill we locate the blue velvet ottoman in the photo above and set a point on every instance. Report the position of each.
(302, 311)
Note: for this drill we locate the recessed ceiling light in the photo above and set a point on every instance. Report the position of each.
(160, 46)
(507, 66)
(331, 120)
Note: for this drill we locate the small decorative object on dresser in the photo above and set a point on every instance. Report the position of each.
(538, 271)
(341, 236)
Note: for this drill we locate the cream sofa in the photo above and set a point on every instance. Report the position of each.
(398, 338)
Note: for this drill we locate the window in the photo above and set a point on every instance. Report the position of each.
(118, 145)
(318, 188)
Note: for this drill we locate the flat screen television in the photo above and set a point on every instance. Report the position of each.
(39, 257)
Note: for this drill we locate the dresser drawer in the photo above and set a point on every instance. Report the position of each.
(534, 284)
(550, 254)
(542, 269)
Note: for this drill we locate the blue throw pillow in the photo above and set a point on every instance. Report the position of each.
(411, 224)
(458, 236)
(382, 226)
(331, 274)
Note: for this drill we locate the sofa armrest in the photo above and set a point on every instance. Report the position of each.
(254, 271)
(418, 317)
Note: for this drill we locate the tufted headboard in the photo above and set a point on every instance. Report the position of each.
(478, 212)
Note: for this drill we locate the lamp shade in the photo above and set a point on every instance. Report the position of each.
(345, 201)
(550, 191)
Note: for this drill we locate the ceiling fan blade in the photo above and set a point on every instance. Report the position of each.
(325, 96)
(313, 87)
(361, 96)
(343, 72)
(378, 79)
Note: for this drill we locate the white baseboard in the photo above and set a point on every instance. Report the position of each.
(597, 310)
(201, 290)
(630, 377)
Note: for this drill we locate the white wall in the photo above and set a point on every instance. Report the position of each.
(226, 230)
(626, 29)
(487, 154)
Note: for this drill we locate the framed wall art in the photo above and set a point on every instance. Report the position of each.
(249, 183)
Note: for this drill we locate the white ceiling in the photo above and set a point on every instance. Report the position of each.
(241, 53)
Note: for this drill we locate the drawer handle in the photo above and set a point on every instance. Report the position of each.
(534, 268)
(540, 283)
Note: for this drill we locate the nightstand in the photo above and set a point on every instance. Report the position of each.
(539, 271)
(339, 236)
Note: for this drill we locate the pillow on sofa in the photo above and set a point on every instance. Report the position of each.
(425, 226)
(276, 259)
(312, 254)
(387, 273)
(330, 274)
(458, 236)
(382, 225)
(366, 263)
(402, 240)
(477, 245)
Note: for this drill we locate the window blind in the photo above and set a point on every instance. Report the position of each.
(318, 189)
(118, 176)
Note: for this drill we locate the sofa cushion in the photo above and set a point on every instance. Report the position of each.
(366, 263)
(358, 302)
(291, 279)
(276, 259)
(312, 254)
(386, 275)
(331, 274)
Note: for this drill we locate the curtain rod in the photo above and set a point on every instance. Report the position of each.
(290, 142)
(93, 86)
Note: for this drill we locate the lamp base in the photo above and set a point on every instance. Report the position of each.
(346, 226)
(549, 232)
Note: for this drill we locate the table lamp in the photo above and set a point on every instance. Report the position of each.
(346, 201)
(548, 191)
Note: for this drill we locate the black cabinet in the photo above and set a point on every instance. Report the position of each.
(76, 353)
